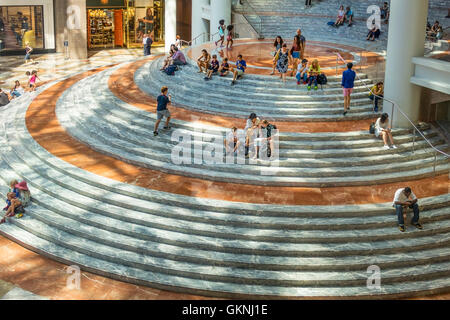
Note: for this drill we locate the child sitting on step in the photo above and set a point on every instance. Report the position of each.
(17, 199)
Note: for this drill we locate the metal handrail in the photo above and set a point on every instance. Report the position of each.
(252, 11)
(189, 43)
(394, 104)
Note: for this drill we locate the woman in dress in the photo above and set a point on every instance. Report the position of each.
(283, 62)
(277, 44)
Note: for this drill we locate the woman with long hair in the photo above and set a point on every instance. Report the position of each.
(277, 44)
(295, 53)
(283, 62)
(383, 129)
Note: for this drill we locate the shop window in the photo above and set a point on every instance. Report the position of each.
(20, 25)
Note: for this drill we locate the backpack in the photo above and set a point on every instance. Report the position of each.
(372, 128)
(322, 79)
(170, 70)
(25, 197)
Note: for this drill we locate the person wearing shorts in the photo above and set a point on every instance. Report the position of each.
(161, 110)
(213, 67)
(348, 82)
(240, 69)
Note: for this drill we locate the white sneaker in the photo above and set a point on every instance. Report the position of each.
(386, 147)
(394, 147)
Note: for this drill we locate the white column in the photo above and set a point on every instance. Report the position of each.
(220, 9)
(170, 24)
(406, 39)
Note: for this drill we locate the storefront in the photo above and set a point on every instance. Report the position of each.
(25, 22)
(121, 23)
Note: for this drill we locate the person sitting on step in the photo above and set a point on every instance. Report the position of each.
(203, 61)
(383, 129)
(213, 67)
(18, 90)
(13, 202)
(302, 72)
(314, 72)
(376, 93)
(340, 17)
(405, 198)
(252, 118)
(348, 16)
(168, 59)
(241, 65)
(224, 68)
(178, 58)
(374, 33)
(4, 98)
(385, 12)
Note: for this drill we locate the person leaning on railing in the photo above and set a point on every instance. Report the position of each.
(376, 93)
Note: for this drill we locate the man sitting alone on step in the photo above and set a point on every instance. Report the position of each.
(405, 198)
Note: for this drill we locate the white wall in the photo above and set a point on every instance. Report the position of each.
(200, 10)
(49, 25)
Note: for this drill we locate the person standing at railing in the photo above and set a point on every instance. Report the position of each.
(348, 82)
(376, 93)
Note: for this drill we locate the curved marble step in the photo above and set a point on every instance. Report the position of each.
(199, 286)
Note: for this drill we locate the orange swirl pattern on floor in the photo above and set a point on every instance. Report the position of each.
(44, 127)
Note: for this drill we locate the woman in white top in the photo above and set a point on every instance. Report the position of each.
(341, 16)
(383, 129)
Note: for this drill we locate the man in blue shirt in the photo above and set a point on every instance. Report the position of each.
(348, 81)
(349, 16)
(240, 69)
(161, 110)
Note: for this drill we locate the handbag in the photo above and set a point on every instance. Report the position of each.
(277, 56)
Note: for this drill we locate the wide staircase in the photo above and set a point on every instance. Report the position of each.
(218, 247)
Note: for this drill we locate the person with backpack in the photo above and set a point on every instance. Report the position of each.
(18, 198)
(314, 72)
(148, 41)
(383, 129)
(221, 33)
(161, 110)
(348, 82)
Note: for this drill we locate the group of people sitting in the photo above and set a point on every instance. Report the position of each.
(343, 16)
(17, 199)
(18, 90)
(174, 59)
(255, 133)
(210, 65)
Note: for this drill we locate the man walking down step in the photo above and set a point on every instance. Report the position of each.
(403, 199)
(161, 110)
(348, 82)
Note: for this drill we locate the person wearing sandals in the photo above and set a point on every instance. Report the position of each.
(213, 67)
(405, 198)
(277, 44)
(383, 129)
(161, 110)
(283, 62)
